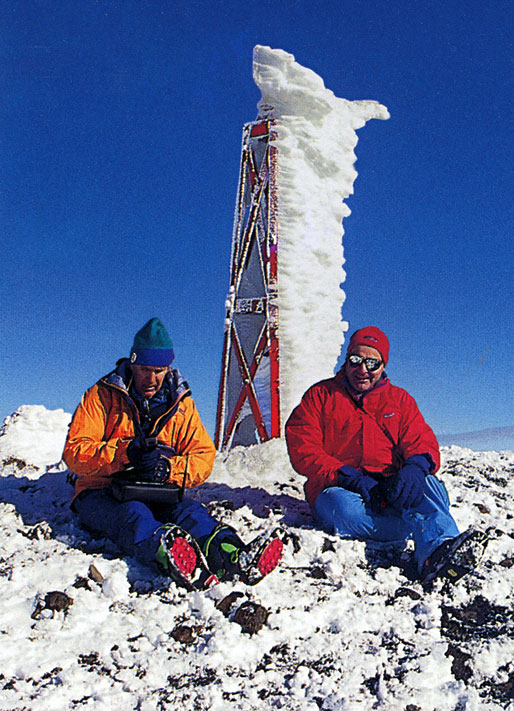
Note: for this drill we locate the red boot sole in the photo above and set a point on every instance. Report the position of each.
(183, 556)
(270, 557)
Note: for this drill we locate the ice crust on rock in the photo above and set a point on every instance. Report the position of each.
(316, 137)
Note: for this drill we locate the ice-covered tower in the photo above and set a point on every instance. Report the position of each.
(283, 328)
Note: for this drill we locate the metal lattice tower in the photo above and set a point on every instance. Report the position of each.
(249, 394)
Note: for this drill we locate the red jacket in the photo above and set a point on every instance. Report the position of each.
(329, 428)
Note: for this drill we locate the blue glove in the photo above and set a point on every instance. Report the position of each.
(406, 488)
(354, 480)
(151, 459)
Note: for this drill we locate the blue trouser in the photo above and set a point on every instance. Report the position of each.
(133, 526)
(344, 513)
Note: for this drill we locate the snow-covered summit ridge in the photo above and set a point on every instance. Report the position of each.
(34, 435)
(316, 137)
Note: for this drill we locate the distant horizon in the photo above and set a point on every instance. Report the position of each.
(491, 439)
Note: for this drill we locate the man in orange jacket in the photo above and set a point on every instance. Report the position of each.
(370, 460)
(135, 443)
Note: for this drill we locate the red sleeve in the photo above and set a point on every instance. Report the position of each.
(304, 436)
(415, 436)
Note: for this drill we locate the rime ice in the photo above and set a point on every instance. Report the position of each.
(316, 141)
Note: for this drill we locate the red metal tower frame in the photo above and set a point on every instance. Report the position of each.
(249, 393)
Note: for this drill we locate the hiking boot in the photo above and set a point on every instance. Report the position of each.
(261, 556)
(231, 559)
(180, 557)
(455, 557)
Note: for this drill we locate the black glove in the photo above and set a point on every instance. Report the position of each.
(151, 458)
(354, 480)
(406, 488)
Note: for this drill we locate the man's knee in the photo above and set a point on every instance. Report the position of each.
(337, 510)
(130, 511)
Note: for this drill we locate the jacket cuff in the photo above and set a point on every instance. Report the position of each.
(423, 461)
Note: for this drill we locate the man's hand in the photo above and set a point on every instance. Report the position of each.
(406, 488)
(151, 459)
(354, 480)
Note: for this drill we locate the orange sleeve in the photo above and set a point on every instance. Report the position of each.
(195, 449)
(87, 451)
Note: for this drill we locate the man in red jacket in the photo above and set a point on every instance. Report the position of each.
(370, 459)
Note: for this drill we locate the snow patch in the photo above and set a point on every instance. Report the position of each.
(34, 435)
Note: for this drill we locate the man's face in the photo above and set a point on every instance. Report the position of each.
(148, 379)
(359, 378)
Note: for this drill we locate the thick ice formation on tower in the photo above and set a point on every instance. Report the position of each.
(316, 140)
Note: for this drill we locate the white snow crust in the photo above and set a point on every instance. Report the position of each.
(347, 630)
(316, 137)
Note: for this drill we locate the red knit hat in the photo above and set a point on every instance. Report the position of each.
(372, 337)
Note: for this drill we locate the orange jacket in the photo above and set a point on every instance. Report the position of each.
(103, 425)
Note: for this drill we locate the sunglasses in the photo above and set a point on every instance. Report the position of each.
(371, 364)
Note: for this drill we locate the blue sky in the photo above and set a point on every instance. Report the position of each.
(121, 128)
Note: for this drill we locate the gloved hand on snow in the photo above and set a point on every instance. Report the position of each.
(406, 488)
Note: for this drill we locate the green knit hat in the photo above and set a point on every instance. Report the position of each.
(152, 345)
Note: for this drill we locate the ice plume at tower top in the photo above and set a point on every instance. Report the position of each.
(316, 137)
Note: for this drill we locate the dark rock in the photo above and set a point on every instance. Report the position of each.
(294, 538)
(506, 689)
(480, 619)
(185, 634)
(502, 691)
(39, 532)
(228, 602)
(482, 508)
(16, 462)
(58, 601)
(81, 582)
(404, 592)
(372, 684)
(92, 659)
(328, 546)
(507, 562)
(251, 617)
(317, 572)
(278, 655)
(460, 670)
(95, 574)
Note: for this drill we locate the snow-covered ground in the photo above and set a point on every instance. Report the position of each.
(342, 628)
